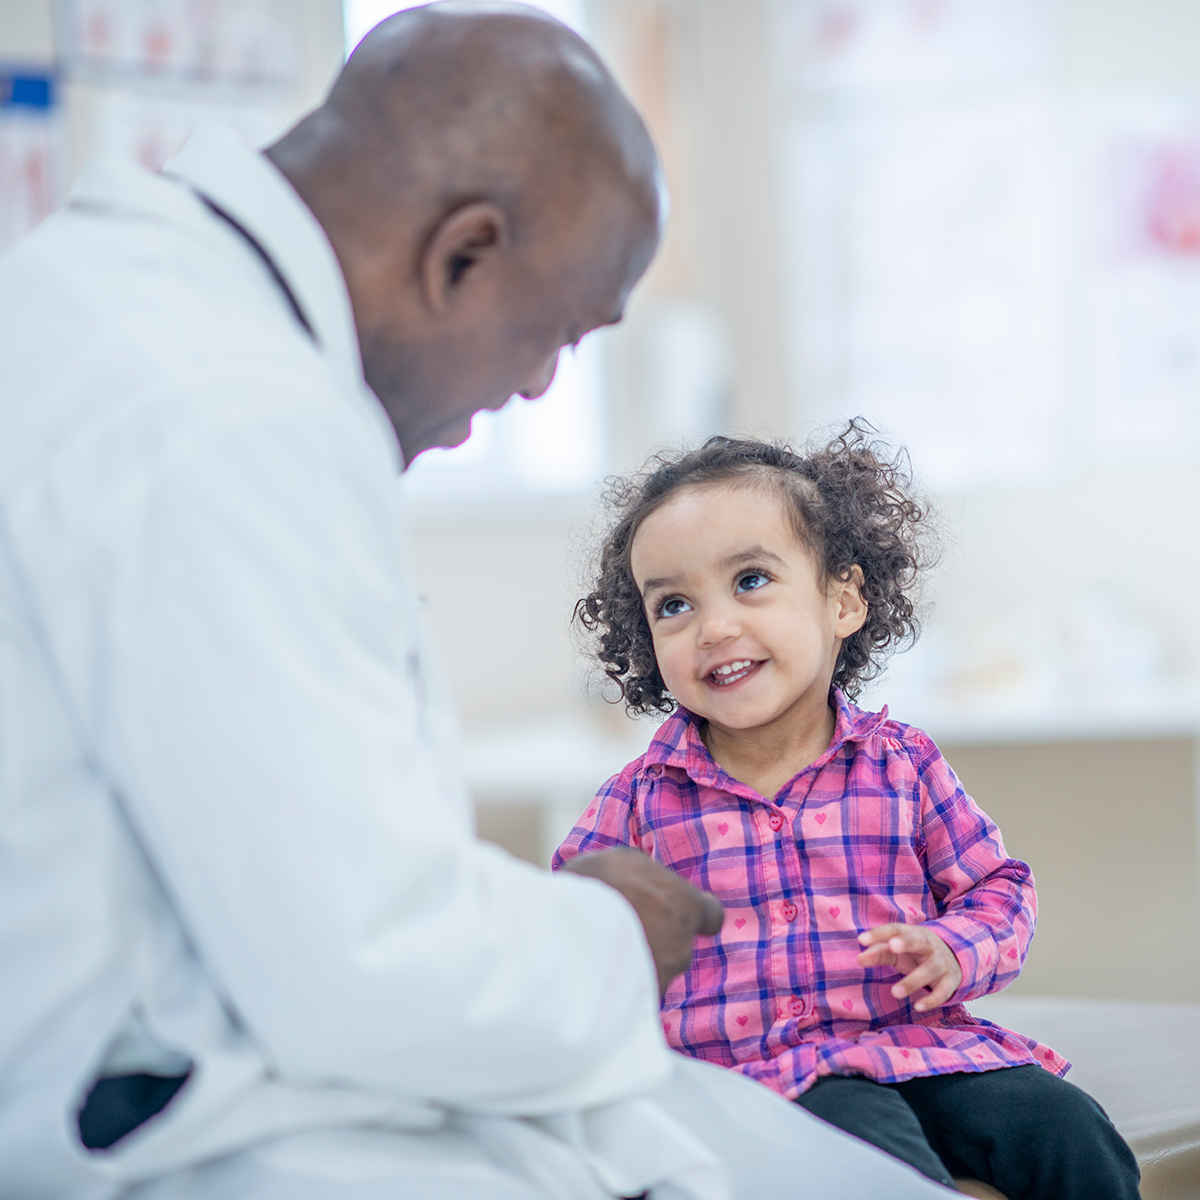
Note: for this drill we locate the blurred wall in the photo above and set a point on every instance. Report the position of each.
(28, 37)
(498, 583)
(1121, 42)
(1128, 532)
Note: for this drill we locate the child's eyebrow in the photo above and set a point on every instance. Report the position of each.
(752, 554)
(654, 584)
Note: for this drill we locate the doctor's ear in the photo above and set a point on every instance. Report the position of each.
(459, 244)
(851, 608)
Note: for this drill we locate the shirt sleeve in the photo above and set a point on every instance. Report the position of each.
(986, 901)
(609, 820)
(240, 629)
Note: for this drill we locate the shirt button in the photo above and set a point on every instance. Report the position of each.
(776, 821)
(795, 1006)
(788, 911)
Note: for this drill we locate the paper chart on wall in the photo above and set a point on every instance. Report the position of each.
(153, 69)
(923, 221)
(148, 127)
(31, 152)
(1141, 185)
(869, 47)
(244, 42)
(927, 287)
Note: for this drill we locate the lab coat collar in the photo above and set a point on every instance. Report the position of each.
(252, 190)
(247, 185)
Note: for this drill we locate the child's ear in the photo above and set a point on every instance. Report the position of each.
(851, 611)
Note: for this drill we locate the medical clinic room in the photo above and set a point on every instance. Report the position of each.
(568, 606)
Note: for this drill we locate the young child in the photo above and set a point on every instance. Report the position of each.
(749, 591)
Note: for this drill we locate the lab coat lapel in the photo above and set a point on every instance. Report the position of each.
(215, 162)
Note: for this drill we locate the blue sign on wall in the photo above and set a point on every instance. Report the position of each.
(26, 89)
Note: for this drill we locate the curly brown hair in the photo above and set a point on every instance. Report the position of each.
(851, 502)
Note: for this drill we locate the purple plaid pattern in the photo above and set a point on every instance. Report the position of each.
(877, 830)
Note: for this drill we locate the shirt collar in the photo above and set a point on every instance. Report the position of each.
(678, 742)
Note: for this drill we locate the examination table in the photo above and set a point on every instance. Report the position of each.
(1140, 1061)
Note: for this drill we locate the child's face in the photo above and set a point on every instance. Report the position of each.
(745, 632)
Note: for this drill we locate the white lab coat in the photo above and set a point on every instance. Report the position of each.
(233, 831)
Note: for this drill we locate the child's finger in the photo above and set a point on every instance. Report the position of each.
(927, 974)
(910, 939)
(946, 988)
(879, 955)
(881, 933)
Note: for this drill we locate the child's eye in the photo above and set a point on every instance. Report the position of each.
(672, 606)
(751, 580)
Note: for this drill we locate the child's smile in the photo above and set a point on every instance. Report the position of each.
(730, 673)
(745, 631)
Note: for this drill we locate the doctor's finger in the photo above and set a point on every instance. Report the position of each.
(712, 914)
(701, 911)
(671, 910)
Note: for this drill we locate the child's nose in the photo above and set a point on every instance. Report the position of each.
(719, 625)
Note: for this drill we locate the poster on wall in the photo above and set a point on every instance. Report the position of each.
(1141, 189)
(921, 175)
(927, 295)
(869, 47)
(151, 70)
(148, 127)
(241, 42)
(31, 151)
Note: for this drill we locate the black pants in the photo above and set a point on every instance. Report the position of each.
(1026, 1132)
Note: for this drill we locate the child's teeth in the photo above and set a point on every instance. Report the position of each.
(729, 668)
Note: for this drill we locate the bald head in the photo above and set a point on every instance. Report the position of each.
(456, 101)
(476, 169)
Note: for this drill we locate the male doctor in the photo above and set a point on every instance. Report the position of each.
(249, 946)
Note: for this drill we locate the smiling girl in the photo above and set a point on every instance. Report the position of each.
(749, 591)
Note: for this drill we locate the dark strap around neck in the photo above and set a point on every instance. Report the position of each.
(267, 262)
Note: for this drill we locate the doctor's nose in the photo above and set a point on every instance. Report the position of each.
(540, 380)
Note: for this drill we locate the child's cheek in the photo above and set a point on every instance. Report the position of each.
(668, 667)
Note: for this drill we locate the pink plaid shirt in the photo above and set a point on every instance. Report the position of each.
(876, 830)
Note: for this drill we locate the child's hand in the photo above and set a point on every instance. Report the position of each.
(927, 962)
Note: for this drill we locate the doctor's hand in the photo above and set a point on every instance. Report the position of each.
(672, 911)
(925, 960)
